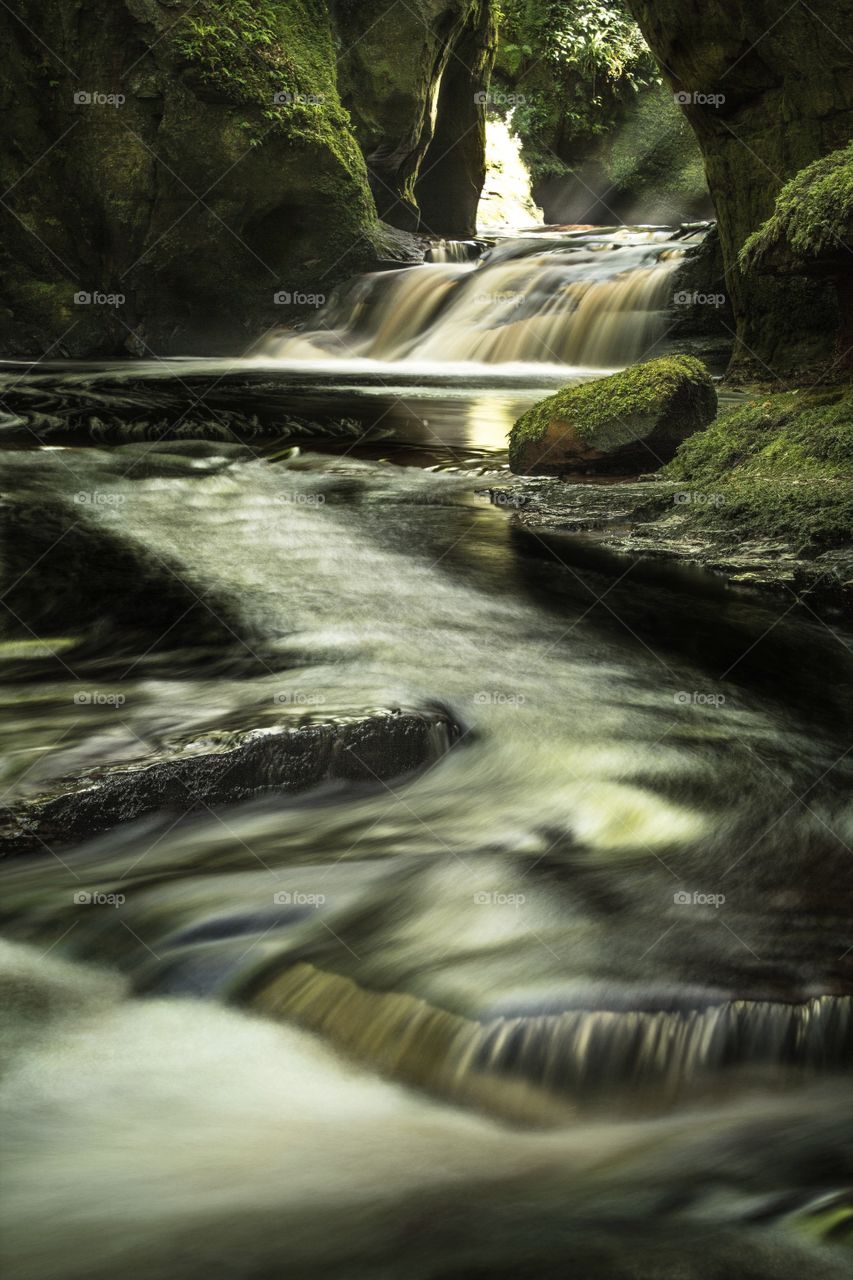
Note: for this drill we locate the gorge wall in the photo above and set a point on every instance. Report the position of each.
(178, 177)
(414, 78)
(767, 89)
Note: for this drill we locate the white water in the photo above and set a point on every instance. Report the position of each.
(594, 301)
(178, 1140)
(512, 920)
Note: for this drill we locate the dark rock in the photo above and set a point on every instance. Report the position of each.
(227, 768)
(394, 60)
(199, 177)
(649, 521)
(164, 197)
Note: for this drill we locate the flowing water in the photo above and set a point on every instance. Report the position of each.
(593, 299)
(574, 995)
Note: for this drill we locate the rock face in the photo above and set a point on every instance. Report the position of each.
(646, 167)
(166, 180)
(768, 90)
(631, 421)
(398, 64)
(179, 177)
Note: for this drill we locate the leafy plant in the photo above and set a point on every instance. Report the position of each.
(574, 63)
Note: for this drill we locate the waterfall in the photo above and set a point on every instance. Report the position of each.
(453, 251)
(512, 1064)
(583, 300)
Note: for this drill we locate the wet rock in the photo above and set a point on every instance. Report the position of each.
(116, 403)
(631, 421)
(652, 519)
(163, 200)
(224, 768)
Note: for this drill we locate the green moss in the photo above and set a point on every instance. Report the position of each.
(593, 406)
(813, 214)
(268, 54)
(780, 467)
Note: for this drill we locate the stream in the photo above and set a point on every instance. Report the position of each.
(572, 994)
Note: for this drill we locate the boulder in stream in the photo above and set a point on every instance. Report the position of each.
(631, 421)
(229, 767)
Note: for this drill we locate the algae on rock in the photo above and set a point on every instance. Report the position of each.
(781, 466)
(629, 421)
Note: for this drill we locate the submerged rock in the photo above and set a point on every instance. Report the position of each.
(630, 421)
(227, 768)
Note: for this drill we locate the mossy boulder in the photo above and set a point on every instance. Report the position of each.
(631, 421)
(812, 220)
(810, 233)
(169, 169)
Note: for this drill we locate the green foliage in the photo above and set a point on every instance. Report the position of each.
(255, 52)
(813, 214)
(781, 467)
(576, 62)
(235, 44)
(638, 391)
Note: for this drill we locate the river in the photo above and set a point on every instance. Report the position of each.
(572, 995)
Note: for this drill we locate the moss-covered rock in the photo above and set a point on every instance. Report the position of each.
(812, 220)
(191, 160)
(630, 421)
(781, 466)
(810, 233)
(767, 90)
